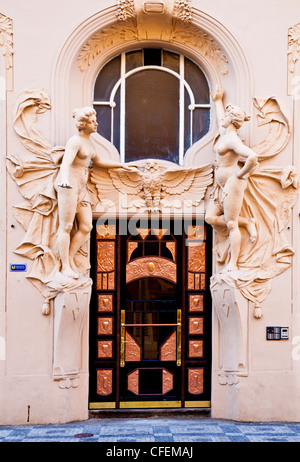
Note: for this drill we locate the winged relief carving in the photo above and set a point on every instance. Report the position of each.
(152, 186)
(60, 186)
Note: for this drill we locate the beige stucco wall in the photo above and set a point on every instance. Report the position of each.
(41, 30)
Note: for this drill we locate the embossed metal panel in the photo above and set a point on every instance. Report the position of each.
(196, 326)
(195, 380)
(105, 326)
(196, 302)
(104, 382)
(105, 303)
(133, 350)
(151, 267)
(168, 348)
(105, 349)
(195, 349)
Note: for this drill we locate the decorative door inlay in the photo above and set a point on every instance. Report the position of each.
(172, 247)
(143, 232)
(105, 256)
(151, 317)
(196, 302)
(195, 348)
(133, 382)
(106, 281)
(104, 382)
(166, 385)
(105, 265)
(196, 326)
(105, 349)
(196, 266)
(131, 248)
(168, 348)
(168, 381)
(195, 381)
(160, 233)
(132, 349)
(105, 303)
(105, 326)
(151, 266)
(106, 231)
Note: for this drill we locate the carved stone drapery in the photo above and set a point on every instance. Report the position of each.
(269, 198)
(293, 54)
(6, 45)
(35, 174)
(168, 21)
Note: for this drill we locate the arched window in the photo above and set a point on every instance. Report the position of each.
(152, 103)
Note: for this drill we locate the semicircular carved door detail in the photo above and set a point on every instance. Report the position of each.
(151, 267)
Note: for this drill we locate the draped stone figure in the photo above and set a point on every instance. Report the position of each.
(59, 196)
(250, 204)
(72, 192)
(230, 179)
(61, 185)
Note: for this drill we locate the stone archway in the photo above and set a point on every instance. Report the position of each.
(129, 24)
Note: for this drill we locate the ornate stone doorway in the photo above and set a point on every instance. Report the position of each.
(150, 325)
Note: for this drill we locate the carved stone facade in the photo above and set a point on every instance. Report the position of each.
(255, 258)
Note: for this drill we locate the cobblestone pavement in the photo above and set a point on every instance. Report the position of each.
(162, 429)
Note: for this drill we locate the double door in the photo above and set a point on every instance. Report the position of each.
(150, 316)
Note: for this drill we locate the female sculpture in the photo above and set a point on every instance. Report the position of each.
(230, 179)
(72, 192)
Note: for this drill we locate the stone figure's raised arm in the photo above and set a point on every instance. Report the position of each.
(218, 99)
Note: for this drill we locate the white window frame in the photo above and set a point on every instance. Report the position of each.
(182, 86)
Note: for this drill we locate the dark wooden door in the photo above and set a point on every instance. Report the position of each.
(150, 316)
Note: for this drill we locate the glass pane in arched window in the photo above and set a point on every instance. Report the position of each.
(134, 59)
(152, 116)
(197, 81)
(171, 60)
(106, 80)
(152, 113)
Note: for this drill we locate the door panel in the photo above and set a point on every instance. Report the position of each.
(150, 318)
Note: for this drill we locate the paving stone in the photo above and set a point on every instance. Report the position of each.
(153, 430)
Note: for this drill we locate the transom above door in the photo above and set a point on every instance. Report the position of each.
(150, 317)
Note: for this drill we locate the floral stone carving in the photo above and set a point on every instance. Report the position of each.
(6, 45)
(169, 21)
(250, 204)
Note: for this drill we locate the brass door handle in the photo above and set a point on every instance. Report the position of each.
(122, 343)
(178, 355)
